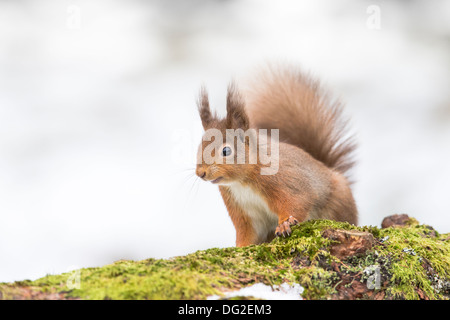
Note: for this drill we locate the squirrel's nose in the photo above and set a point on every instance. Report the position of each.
(201, 172)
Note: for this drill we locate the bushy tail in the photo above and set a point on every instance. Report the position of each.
(282, 97)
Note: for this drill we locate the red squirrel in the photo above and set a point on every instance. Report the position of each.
(314, 156)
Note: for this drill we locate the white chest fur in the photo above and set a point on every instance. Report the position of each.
(263, 219)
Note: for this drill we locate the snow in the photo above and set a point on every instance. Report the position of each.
(284, 291)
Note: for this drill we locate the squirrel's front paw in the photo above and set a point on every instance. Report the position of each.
(284, 228)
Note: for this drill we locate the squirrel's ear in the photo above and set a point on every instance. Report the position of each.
(203, 108)
(236, 116)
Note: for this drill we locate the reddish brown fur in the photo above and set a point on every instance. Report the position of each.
(245, 234)
(282, 97)
(314, 156)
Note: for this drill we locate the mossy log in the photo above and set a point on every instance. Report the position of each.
(330, 260)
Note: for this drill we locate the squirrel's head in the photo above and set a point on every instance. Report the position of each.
(224, 144)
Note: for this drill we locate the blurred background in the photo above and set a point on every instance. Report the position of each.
(99, 127)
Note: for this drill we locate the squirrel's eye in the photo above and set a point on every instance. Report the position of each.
(226, 151)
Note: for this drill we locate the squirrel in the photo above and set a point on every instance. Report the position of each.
(314, 154)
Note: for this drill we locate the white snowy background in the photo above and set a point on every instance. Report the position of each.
(99, 128)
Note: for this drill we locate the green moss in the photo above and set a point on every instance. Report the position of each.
(410, 249)
(303, 258)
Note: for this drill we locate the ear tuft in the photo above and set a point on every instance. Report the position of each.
(236, 115)
(204, 109)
